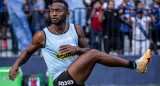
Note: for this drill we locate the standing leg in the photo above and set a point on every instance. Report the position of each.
(137, 46)
(92, 38)
(145, 46)
(100, 40)
(133, 48)
(4, 44)
(3, 23)
(122, 35)
(154, 39)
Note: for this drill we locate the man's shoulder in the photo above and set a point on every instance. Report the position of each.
(39, 37)
(40, 34)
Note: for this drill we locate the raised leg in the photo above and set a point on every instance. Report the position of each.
(81, 68)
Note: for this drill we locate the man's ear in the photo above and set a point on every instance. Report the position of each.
(67, 14)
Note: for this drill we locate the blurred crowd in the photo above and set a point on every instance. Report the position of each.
(109, 22)
(136, 19)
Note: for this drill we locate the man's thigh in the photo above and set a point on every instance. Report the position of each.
(81, 68)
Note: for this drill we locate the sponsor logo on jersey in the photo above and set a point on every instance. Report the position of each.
(65, 83)
(66, 56)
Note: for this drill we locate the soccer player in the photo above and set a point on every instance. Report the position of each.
(67, 54)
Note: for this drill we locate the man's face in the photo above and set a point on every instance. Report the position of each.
(97, 5)
(140, 6)
(111, 5)
(58, 13)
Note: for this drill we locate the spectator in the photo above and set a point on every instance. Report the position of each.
(155, 6)
(145, 3)
(117, 3)
(140, 24)
(104, 4)
(48, 3)
(3, 22)
(19, 23)
(27, 12)
(47, 17)
(88, 4)
(110, 28)
(38, 19)
(73, 5)
(96, 26)
(125, 26)
(133, 3)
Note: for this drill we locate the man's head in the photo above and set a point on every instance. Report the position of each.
(59, 11)
(97, 4)
(139, 5)
(139, 9)
(156, 1)
(111, 4)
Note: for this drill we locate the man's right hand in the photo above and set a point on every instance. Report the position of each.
(13, 73)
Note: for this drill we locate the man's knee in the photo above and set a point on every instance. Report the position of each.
(94, 52)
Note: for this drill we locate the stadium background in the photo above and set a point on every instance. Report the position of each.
(101, 75)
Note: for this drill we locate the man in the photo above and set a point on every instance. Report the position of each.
(155, 6)
(110, 28)
(38, 19)
(62, 43)
(125, 26)
(3, 22)
(140, 25)
(96, 26)
(19, 22)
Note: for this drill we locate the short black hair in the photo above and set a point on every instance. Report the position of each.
(63, 2)
(96, 2)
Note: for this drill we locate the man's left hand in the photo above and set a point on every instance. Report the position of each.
(67, 49)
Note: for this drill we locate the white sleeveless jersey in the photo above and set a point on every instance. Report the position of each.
(137, 33)
(56, 61)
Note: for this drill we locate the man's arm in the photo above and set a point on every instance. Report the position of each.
(37, 42)
(82, 42)
(85, 3)
(93, 11)
(151, 20)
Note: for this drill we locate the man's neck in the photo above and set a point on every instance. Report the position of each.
(59, 27)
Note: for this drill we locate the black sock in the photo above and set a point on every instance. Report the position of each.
(132, 65)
